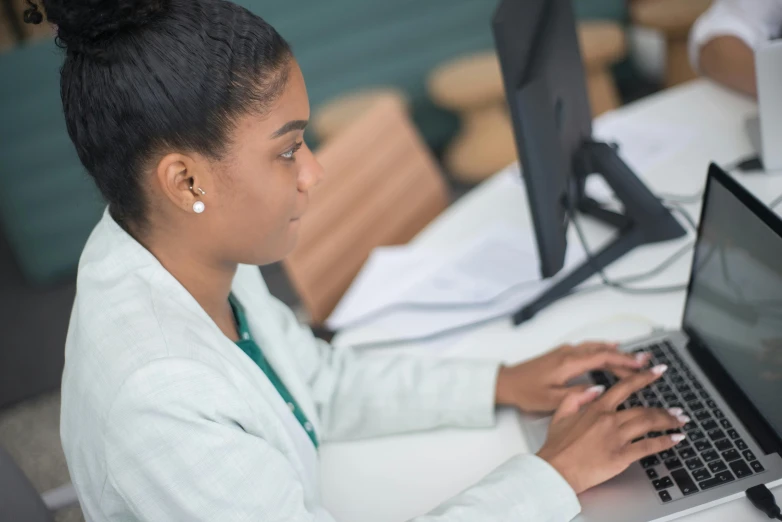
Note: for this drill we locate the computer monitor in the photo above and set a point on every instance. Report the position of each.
(545, 86)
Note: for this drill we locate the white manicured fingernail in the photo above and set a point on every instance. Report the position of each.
(678, 437)
(683, 419)
(675, 412)
(641, 357)
(597, 390)
(659, 369)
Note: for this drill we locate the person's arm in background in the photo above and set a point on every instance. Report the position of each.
(723, 40)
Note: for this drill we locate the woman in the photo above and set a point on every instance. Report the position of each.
(191, 394)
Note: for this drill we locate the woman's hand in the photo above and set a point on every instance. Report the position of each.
(540, 385)
(589, 441)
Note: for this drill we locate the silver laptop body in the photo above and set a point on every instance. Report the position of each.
(730, 357)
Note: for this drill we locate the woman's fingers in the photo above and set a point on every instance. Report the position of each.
(622, 390)
(580, 361)
(643, 448)
(575, 400)
(646, 420)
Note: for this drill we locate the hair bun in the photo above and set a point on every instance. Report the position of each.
(85, 25)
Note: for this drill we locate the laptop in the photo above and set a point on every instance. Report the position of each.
(765, 129)
(725, 371)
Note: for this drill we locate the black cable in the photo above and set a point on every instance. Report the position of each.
(621, 286)
(763, 500)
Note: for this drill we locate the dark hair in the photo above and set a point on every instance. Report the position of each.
(144, 76)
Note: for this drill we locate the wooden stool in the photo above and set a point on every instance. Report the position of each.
(339, 113)
(602, 45)
(673, 18)
(472, 86)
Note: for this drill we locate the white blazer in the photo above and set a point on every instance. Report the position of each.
(165, 419)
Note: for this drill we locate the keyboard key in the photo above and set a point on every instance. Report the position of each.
(690, 397)
(635, 403)
(720, 478)
(649, 394)
(725, 423)
(687, 453)
(621, 407)
(664, 388)
(683, 387)
(703, 415)
(710, 424)
(695, 406)
(685, 483)
(654, 434)
(731, 455)
(690, 426)
(669, 397)
(673, 463)
(740, 444)
(599, 378)
(651, 473)
(716, 434)
(711, 404)
(701, 474)
(655, 404)
(740, 469)
(648, 462)
(663, 483)
(718, 413)
(698, 386)
(748, 455)
(723, 445)
(733, 434)
(665, 496)
(639, 439)
(696, 435)
(703, 445)
(710, 455)
(757, 466)
(682, 445)
(667, 454)
(704, 395)
(717, 466)
(694, 464)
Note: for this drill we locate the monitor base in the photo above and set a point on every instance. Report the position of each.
(645, 220)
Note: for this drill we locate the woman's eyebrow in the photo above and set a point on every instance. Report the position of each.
(293, 125)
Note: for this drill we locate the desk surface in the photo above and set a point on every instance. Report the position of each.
(396, 478)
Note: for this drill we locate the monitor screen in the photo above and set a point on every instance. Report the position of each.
(735, 301)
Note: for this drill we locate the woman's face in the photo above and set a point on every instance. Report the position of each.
(259, 191)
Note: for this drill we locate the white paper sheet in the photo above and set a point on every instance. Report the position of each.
(409, 293)
(642, 145)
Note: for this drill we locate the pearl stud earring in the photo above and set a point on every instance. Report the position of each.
(198, 206)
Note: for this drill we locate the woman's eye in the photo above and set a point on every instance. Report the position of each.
(289, 155)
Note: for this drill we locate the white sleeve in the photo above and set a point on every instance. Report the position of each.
(175, 450)
(752, 21)
(359, 397)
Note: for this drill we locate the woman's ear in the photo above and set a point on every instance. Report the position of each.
(181, 180)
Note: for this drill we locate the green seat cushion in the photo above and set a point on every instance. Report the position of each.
(346, 45)
(48, 203)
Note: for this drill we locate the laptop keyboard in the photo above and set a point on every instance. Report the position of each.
(713, 452)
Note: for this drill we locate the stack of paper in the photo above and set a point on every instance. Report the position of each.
(410, 292)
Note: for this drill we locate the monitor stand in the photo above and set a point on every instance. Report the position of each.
(645, 220)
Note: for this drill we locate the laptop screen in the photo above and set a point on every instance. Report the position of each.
(734, 305)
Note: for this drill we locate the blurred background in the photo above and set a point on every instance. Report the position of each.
(430, 62)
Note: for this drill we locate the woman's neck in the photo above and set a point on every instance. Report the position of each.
(209, 282)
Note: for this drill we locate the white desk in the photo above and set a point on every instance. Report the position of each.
(396, 478)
